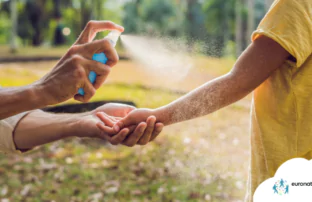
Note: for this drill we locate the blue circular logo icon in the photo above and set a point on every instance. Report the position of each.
(281, 187)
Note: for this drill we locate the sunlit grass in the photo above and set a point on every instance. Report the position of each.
(5, 51)
(143, 97)
(200, 160)
(41, 51)
(214, 66)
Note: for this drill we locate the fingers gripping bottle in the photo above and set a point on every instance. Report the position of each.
(113, 37)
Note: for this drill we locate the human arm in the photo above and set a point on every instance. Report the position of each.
(252, 68)
(284, 32)
(39, 128)
(140, 134)
(69, 74)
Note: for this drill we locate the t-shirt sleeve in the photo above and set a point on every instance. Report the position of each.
(289, 23)
(7, 127)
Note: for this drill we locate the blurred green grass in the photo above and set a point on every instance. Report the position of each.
(210, 168)
(41, 51)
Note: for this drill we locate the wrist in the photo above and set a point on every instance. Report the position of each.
(163, 115)
(38, 96)
(82, 125)
(73, 127)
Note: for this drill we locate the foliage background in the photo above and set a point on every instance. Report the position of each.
(210, 24)
(205, 159)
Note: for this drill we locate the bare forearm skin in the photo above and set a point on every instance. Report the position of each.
(202, 101)
(39, 128)
(255, 65)
(20, 99)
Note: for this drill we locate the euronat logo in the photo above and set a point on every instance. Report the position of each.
(281, 187)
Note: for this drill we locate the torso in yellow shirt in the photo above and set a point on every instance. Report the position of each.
(281, 112)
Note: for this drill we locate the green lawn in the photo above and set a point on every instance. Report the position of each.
(41, 51)
(201, 160)
(32, 51)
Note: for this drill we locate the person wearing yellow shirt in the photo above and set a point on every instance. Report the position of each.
(277, 66)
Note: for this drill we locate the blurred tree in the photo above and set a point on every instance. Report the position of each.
(5, 25)
(131, 20)
(239, 27)
(38, 19)
(212, 24)
(154, 17)
(71, 17)
(219, 22)
(85, 9)
(195, 22)
(251, 20)
(160, 17)
(13, 8)
(260, 10)
(57, 8)
(215, 22)
(35, 10)
(97, 9)
(59, 38)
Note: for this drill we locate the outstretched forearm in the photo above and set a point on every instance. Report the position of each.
(20, 99)
(255, 65)
(39, 128)
(204, 100)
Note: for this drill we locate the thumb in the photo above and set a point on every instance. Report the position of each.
(126, 121)
(128, 109)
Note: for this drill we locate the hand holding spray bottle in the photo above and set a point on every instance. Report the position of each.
(113, 37)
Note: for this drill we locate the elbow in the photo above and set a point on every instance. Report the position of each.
(241, 84)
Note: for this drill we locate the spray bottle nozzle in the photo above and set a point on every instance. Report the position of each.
(113, 36)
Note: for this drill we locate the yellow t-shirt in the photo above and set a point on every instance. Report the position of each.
(281, 111)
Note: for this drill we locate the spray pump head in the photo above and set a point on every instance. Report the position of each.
(113, 36)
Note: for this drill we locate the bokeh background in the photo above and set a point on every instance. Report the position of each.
(205, 159)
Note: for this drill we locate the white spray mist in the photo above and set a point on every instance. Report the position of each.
(162, 57)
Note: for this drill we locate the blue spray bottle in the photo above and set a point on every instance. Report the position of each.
(113, 37)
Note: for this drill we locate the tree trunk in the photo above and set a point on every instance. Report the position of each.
(57, 9)
(85, 11)
(190, 22)
(97, 10)
(82, 11)
(13, 8)
(225, 23)
(238, 27)
(251, 20)
(35, 12)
